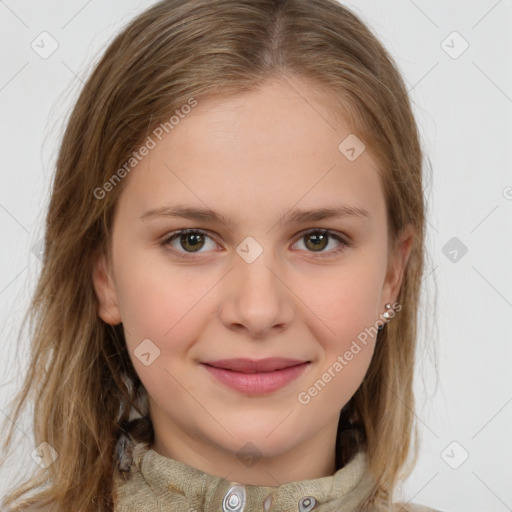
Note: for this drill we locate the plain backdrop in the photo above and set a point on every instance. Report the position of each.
(456, 58)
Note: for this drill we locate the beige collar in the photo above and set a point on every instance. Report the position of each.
(158, 484)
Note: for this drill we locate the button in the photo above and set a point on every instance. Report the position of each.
(234, 500)
(307, 503)
(268, 502)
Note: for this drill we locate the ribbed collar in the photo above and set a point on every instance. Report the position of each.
(159, 484)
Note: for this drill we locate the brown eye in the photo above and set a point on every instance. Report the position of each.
(188, 241)
(192, 241)
(316, 240)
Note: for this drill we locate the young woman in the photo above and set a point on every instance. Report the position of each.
(226, 314)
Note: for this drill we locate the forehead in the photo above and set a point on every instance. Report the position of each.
(257, 152)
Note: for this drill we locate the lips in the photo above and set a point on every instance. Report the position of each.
(254, 377)
(242, 365)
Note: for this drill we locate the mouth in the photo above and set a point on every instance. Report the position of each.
(245, 365)
(256, 377)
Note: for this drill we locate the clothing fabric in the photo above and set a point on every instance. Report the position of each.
(159, 484)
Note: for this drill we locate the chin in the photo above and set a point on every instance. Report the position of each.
(257, 444)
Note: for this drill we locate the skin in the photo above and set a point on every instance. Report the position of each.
(252, 157)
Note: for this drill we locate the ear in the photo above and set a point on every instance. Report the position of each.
(108, 309)
(397, 265)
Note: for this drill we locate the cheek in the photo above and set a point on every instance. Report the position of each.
(167, 307)
(159, 302)
(346, 302)
(344, 324)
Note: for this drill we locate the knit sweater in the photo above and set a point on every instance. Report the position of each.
(159, 484)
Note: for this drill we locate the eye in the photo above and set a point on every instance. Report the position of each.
(318, 239)
(192, 240)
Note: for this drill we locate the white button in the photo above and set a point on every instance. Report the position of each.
(267, 502)
(234, 500)
(306, 504)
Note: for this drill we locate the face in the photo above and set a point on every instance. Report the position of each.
(256, 282)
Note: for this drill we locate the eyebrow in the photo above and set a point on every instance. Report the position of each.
(293, 216)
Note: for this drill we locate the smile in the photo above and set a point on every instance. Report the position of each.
(257, 382)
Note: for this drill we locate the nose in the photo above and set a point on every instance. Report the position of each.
(256, 298)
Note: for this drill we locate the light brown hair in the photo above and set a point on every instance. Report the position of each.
(174, 51)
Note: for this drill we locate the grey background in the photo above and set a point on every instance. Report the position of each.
(463, 104)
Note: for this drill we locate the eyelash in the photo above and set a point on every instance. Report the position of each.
(333, 234)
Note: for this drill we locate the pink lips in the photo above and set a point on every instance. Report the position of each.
(256, 376)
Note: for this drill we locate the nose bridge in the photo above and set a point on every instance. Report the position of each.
(256, 270)
(256, 298)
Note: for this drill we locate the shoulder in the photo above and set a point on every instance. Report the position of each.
(412, 507)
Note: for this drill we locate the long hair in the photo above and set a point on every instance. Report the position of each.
(80, 377)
